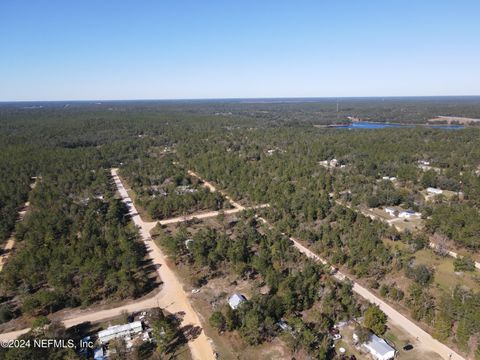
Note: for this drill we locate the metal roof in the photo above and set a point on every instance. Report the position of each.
(119, 330)
(235, 300)
(379, 346)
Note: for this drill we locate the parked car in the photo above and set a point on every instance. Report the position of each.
(336, 337)
(408, 347)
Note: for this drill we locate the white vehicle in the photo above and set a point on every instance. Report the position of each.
(336, 337)
(195, 291)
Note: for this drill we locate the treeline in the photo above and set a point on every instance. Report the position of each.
(458, 316)
(459, 222)
(350, 239)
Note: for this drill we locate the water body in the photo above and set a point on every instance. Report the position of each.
(369, 125)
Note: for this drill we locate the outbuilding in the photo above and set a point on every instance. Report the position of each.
(435, 191)
(235, 300)
(391, 211)
(408, 214)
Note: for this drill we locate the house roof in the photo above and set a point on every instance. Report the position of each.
(235, 300)
(379, 346)
(112, 331)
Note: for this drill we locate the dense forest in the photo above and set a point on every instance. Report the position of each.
(76, 245)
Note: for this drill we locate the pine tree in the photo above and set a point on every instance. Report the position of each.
(442, 328)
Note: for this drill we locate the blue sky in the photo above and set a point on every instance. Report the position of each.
(82, 49)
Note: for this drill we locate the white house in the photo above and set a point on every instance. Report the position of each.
(379, 348)
(235, 300)
(432, 190)
(408, 214)
(117, 331)
(390, 211)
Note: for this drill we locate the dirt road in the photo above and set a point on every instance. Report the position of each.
(451, 253)
(426, 341)
(171, 297)
(212, 188)
(8, 247)
(207, 214)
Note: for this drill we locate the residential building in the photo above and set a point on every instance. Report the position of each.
(379, 348)
(235, 300)
(117, 331)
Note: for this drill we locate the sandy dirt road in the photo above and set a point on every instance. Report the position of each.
(451, 253)
(8, 247)
(426, 341)
(212, 188)
(172, 297)
(208, 214)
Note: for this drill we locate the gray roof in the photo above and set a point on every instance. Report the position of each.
(119, 330)
(379, 346)
(235, 300)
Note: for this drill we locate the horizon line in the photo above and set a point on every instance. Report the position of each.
(242, 98)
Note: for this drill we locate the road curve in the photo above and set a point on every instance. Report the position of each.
(171, 297)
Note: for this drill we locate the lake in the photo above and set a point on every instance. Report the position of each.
(370, 125)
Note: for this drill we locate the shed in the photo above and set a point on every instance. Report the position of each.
(235, 300)
(432, 190)
(390, 210)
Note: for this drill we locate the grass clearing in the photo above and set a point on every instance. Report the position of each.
(446, 278)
